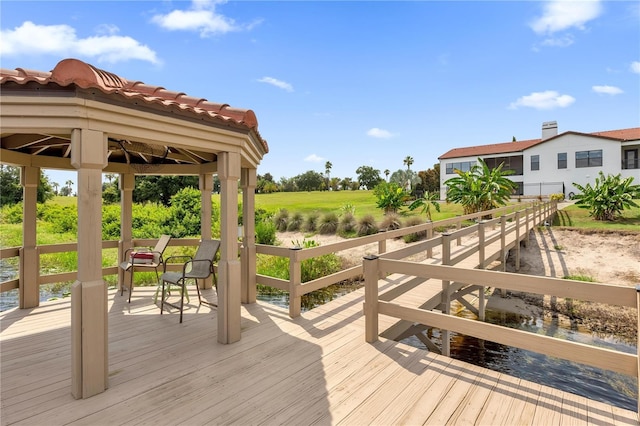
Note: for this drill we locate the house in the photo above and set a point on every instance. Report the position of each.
(554, 162)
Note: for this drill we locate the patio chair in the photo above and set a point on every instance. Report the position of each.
(201, 266)
(144, 258)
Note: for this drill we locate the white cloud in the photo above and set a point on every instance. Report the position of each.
(278, 83)
(313, 158)
(564, 41)
(560, 15)
(607, 90)
(549, 99)
(61, 40)
(635, 67)
(200, 17)
(379, 133)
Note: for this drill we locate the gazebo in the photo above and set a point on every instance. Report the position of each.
(78, 117)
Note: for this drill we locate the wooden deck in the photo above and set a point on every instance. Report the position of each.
(315, 369)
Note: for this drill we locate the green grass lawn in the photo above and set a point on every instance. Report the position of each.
(576, 217)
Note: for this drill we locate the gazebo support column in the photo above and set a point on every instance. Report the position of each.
(248, 255)
(206, 188)
(29, 259)
(127, 183)
(89, 325)
(229, 275)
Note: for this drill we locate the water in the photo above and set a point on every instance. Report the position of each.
(601, 385)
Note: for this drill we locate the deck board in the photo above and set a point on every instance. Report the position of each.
(315, 369)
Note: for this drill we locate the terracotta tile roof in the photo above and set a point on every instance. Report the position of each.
(519, 146)
(75, 72)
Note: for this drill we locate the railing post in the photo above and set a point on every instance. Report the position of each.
(503, 242)
(517, 246)
(458, 227)
(638, 349)
(295, 280)
(446, 297)
(429, 236)
(481, 248)
(370, 269)
(528, 229)
(382, 248)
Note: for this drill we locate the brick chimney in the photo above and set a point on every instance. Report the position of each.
(549, 129)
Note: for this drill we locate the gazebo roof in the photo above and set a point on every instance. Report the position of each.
(85, 80)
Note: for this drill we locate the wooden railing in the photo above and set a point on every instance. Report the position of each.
(605, 359)
(525, 214)
(42, 279)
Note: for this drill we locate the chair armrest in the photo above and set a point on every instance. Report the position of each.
(167, 260)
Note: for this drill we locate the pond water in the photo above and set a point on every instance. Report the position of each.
(612, 388)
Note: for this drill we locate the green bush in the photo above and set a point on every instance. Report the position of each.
(390, 197)
(347, 224)
(391, 221)
(266, 232)
(557, 197)
(110, 222)
(311, 224)
(328, 224)
(608, 197)
(295, 223)
(366, 226)
(414, 236)
(281, 220)
(11, 214)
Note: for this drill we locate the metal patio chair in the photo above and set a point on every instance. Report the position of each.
(137, 258)
(201, 266)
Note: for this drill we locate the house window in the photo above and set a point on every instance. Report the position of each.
(463, 166)
(589, 158)
(535, 162)
(562, 160)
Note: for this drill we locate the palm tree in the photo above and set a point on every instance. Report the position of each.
(327, 169)
(68, 184)
(55, 187)
(480, 188)
(426, 201)
(408, 161)
(386, 173)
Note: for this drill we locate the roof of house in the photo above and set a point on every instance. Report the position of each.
(519, 146)
(75, 72)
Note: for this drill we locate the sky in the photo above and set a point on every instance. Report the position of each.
(358, 83)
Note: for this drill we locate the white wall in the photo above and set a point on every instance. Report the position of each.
(569, 143)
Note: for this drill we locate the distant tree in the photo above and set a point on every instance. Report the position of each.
(310, 181)
(408, 161)
(368, 176)
(327, 169)
(55, 185)
(386, 173)
(110, 190)
(160, 189)
(68, 184)
(405, 178)
(11, 190)
(65, 191)
(345, 183)
(430, 178)
(288, 184)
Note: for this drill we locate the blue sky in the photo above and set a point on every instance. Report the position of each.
(358, 83)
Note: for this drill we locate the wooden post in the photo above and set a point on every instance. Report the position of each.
(503, 243)
(29, 258)
(382, 248)
(295, 280)
(127, 183)
(89, 315)
(248, 255)
(528, 229)
(446, 297)
(205, 184)
(370, 268)
(638, 350)
(229, 270)
(429, 236)
(481, 247)
(458, 227)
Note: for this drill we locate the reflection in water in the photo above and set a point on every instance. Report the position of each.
(612, 388)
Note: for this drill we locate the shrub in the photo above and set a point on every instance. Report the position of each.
(608, 197)
(557, 197)
(390, 196)
(390, 222)
(311, 224)
(281, 220)
(295, 224)
(266, 232)
(348, 209)
(347, 224)
(366, 226)
(414, 236)
(11, 214)
(328, 224)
